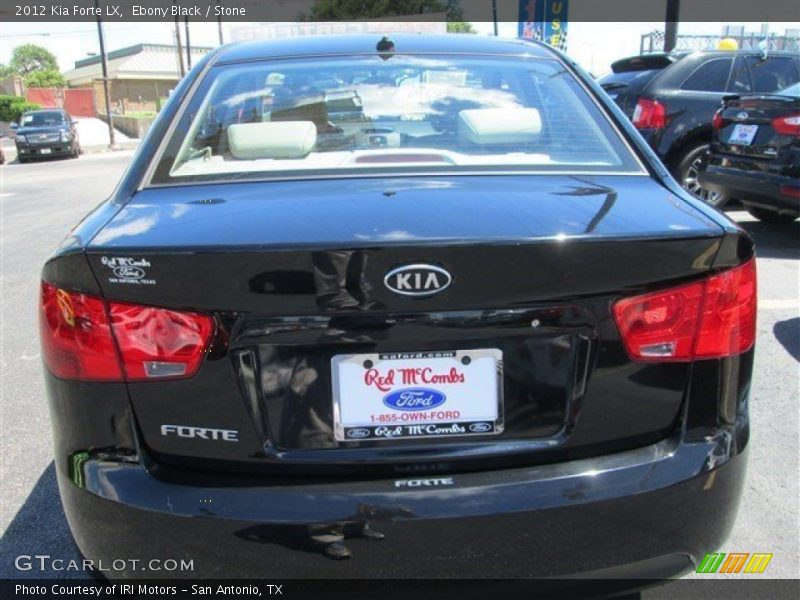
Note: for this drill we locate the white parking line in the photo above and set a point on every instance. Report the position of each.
(779, 304)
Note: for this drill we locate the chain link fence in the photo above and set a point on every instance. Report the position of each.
(654, 42)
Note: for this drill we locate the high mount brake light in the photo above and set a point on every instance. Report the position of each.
(84, 338)
(712, 318)
(649, 114)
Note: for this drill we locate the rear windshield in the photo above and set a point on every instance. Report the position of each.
(43, 119)
(346, 116)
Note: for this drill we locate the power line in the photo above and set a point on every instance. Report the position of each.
(63, 33)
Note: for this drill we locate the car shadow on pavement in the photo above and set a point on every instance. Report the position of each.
(775, 241)
(788, 334)
(39, 528)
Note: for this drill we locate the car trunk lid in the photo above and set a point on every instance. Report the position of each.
(748, 126)
(294, 273)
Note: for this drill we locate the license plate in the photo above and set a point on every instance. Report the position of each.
(45, 151)
(743, 135)
(390, 396)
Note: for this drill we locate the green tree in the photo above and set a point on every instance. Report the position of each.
(460, 27)
(30, 57)
(343, 10)
(45, 78)
(12, 107)
(5, 71)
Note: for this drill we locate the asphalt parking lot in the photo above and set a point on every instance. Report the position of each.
(40, 202)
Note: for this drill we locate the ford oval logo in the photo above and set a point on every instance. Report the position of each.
(414, 399)
(480, 427)
(742, 116)
(358, 433)
(129, 272)
(417, 280)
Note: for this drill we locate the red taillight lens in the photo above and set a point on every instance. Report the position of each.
(790, 190)
(718, 122)
(76, 336)
(156, 342)
(728, 321)
(662, 325)
(649, 114)
(708, 319)
(147, 343)
(787, 125)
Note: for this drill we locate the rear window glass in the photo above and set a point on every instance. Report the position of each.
(772, 74)
(711, 76)
(343, 116)
(741, 78)
(43, 119)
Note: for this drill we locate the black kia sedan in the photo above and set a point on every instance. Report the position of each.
(46, 133)
(755, 154)
(431, 306)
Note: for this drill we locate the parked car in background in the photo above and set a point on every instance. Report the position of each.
(403, 309)
(755, 154)
(672, 99)
(46, 133)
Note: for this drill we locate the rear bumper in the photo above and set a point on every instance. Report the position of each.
(757, 188)
(649, 513)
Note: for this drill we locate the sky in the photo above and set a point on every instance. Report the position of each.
(593, 45)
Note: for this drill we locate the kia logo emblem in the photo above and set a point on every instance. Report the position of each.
(417, 280)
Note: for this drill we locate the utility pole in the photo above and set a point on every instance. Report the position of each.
(178, 44)
(219, 27)
(494, 16)
(671, 25)
(104, 63)
(188, 45)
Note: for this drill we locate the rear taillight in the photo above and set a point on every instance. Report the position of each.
(649, 114)
(712, 318)
(717, 122)
(76, 336)
(790, 190)
(787, 125)
(155, 342)
(84, 338)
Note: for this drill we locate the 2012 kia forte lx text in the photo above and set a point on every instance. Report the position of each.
(431, 298)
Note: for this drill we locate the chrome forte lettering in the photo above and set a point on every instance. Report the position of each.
(202, 433)
(432, 482)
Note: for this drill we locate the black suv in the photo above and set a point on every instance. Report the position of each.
(672, 98)
(46, 133)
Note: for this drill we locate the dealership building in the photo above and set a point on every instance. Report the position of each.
(140, 77)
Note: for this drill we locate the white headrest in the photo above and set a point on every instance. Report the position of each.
(499, 125)
(272, 139)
